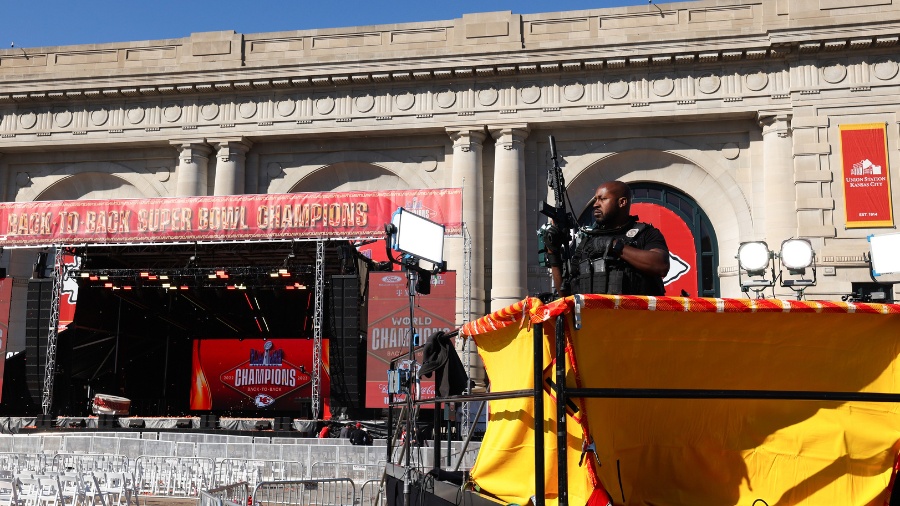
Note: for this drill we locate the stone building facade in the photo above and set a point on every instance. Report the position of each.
(732, 105)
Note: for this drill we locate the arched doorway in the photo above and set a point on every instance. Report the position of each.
(693, 250)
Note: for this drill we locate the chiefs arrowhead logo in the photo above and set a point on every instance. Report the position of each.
(677, 268)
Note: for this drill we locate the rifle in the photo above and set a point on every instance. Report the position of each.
(562, 217)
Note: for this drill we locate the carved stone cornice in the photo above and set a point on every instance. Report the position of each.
(757, 50)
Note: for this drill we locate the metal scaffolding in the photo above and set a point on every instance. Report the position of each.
(59, 274)
(467, 316)
(317, 327)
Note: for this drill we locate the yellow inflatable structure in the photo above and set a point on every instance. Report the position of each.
(698, 451)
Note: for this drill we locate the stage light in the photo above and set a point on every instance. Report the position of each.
(152, 278)
(231, 287)
(754, 259)
(166, 285)
(273, 274)
(183, 287)
(289, 287)
(94, 278)
(85, 274)
(145, 274)
(796, 254)
(212, 276)
(126, 287)
(417, 236)
(104, 278)
(107, 285)
(222, 274)
(884, 254)
(163, 276)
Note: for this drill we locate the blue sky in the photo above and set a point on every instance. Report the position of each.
(39, 23)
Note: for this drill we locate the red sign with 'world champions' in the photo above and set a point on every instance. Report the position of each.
(389, 327)
(255, 374)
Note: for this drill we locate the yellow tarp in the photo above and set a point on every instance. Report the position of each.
(703, 452)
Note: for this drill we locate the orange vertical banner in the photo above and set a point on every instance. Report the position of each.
(866, 176)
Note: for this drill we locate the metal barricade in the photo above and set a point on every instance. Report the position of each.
(174, 476)
(320, 492)
(86, 462)
(255, 471)
(235, 494)
(372, 493)
(23, 462)
(358, 473)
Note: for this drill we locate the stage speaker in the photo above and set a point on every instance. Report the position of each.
(136, 423)
(347, 348)
(263, 425)
(78, 424)
(45, 421)
(209, 421)
(183, 424)
(37, 327)
(107, 422)
(284, 423)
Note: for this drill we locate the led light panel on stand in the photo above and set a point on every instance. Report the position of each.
(885, 254)
(418, 236)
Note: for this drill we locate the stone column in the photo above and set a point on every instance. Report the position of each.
(192, 172)
(509, 239)
(468, 174)
(230, 166)
(780, 203)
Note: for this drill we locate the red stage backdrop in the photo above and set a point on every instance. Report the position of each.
(223, 218)
(867, 183)
(256, 375)
(682, 249)
(5, 296)
(388, 332)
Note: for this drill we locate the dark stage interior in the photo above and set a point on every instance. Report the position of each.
(140, 307)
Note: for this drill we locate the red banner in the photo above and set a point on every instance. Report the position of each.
(389, 326)
(255, 375)
(226, 218)
(5, 297)
(867, 183)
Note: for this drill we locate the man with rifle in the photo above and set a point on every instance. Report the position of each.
(617, 255)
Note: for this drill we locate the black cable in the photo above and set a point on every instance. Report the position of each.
(619, 472)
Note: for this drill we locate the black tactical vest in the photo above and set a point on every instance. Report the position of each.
(597, 272)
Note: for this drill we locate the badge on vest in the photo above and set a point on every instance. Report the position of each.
(631, 233)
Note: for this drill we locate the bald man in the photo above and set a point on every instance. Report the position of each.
(617, 255)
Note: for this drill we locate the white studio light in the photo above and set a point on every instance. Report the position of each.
(418, 236)
(754, 257)
(884, 254)
(796, 254)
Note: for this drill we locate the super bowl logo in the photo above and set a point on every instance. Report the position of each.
(266, 376)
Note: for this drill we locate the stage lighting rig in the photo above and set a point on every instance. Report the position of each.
(754, 262)
(796, 256)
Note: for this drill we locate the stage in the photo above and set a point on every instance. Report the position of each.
(295, 427)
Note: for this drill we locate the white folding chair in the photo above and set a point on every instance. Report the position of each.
(71, 492)
(114, 490)
(29, 490)
(8, 492)
(48, 494)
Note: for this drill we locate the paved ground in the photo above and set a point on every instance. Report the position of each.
(156, 500)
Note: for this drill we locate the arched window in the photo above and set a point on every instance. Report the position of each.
(703, 235)
(689, 235)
